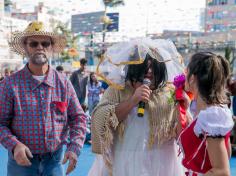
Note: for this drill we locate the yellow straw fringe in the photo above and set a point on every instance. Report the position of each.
(162, 121)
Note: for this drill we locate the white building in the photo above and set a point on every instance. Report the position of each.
(139, 18)
(220, 15)
(40, 13)
(18, 21)
(1, 8)
(7, 26)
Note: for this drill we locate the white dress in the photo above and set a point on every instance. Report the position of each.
(133, 158)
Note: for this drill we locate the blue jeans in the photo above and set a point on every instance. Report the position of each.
(48, 164)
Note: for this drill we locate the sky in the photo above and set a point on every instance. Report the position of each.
(148, 16)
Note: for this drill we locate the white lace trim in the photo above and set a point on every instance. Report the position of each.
(214, 121)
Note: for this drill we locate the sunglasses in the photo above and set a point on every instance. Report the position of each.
(44, 44)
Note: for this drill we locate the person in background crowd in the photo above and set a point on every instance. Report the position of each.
(60, 68)
(234, 105)
(39, 110)
(7, 72)
(232, 89)
(94, 91)
(79, 79)
(1, 77)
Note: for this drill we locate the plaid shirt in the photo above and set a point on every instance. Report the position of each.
(42, 115)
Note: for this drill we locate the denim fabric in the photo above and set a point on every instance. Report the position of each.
(49, 164)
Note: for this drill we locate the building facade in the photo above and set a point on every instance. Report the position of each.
(1, 8)
(40, 13)
(7, 57)
(220, 15)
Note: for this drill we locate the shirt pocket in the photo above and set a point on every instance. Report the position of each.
(59, 110)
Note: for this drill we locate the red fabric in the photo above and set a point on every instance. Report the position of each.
(181, 108)
(182, 114)
(190, 143)
(227, 136)
(190, 95)
(179, 94)
(61, 105)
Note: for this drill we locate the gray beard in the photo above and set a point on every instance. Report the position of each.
(39, 59)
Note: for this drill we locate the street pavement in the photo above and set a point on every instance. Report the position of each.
(85, 162)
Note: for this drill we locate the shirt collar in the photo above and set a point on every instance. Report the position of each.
(48, 80)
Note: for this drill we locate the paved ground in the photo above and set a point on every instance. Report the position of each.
(85, 162)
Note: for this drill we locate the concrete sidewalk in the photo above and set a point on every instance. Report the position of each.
(85, 162)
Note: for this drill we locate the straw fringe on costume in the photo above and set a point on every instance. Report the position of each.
(106, 127)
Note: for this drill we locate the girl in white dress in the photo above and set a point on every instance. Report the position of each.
(128, 145)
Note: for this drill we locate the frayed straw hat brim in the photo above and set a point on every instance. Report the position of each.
(16, 43)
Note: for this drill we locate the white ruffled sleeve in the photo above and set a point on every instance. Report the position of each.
(215, 121)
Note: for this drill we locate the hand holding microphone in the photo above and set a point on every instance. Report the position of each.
(141, 96)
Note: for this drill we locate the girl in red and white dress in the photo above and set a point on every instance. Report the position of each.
(205, 142)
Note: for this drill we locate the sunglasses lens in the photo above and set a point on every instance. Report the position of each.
(45, 44)
(33, 44)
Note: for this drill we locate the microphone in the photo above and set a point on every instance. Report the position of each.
(141, 105)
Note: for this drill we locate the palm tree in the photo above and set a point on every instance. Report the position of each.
(229, 57)
(71, 50)
(7, 3)
(106, 21)
(113, 3)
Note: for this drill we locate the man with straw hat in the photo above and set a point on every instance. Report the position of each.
(39, 109)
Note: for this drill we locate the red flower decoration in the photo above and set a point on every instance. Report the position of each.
(61, 105)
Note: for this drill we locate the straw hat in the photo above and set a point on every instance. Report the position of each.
(36, 28)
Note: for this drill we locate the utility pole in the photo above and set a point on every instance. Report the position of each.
(147, 18)
(91, 55)
(104, 28)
